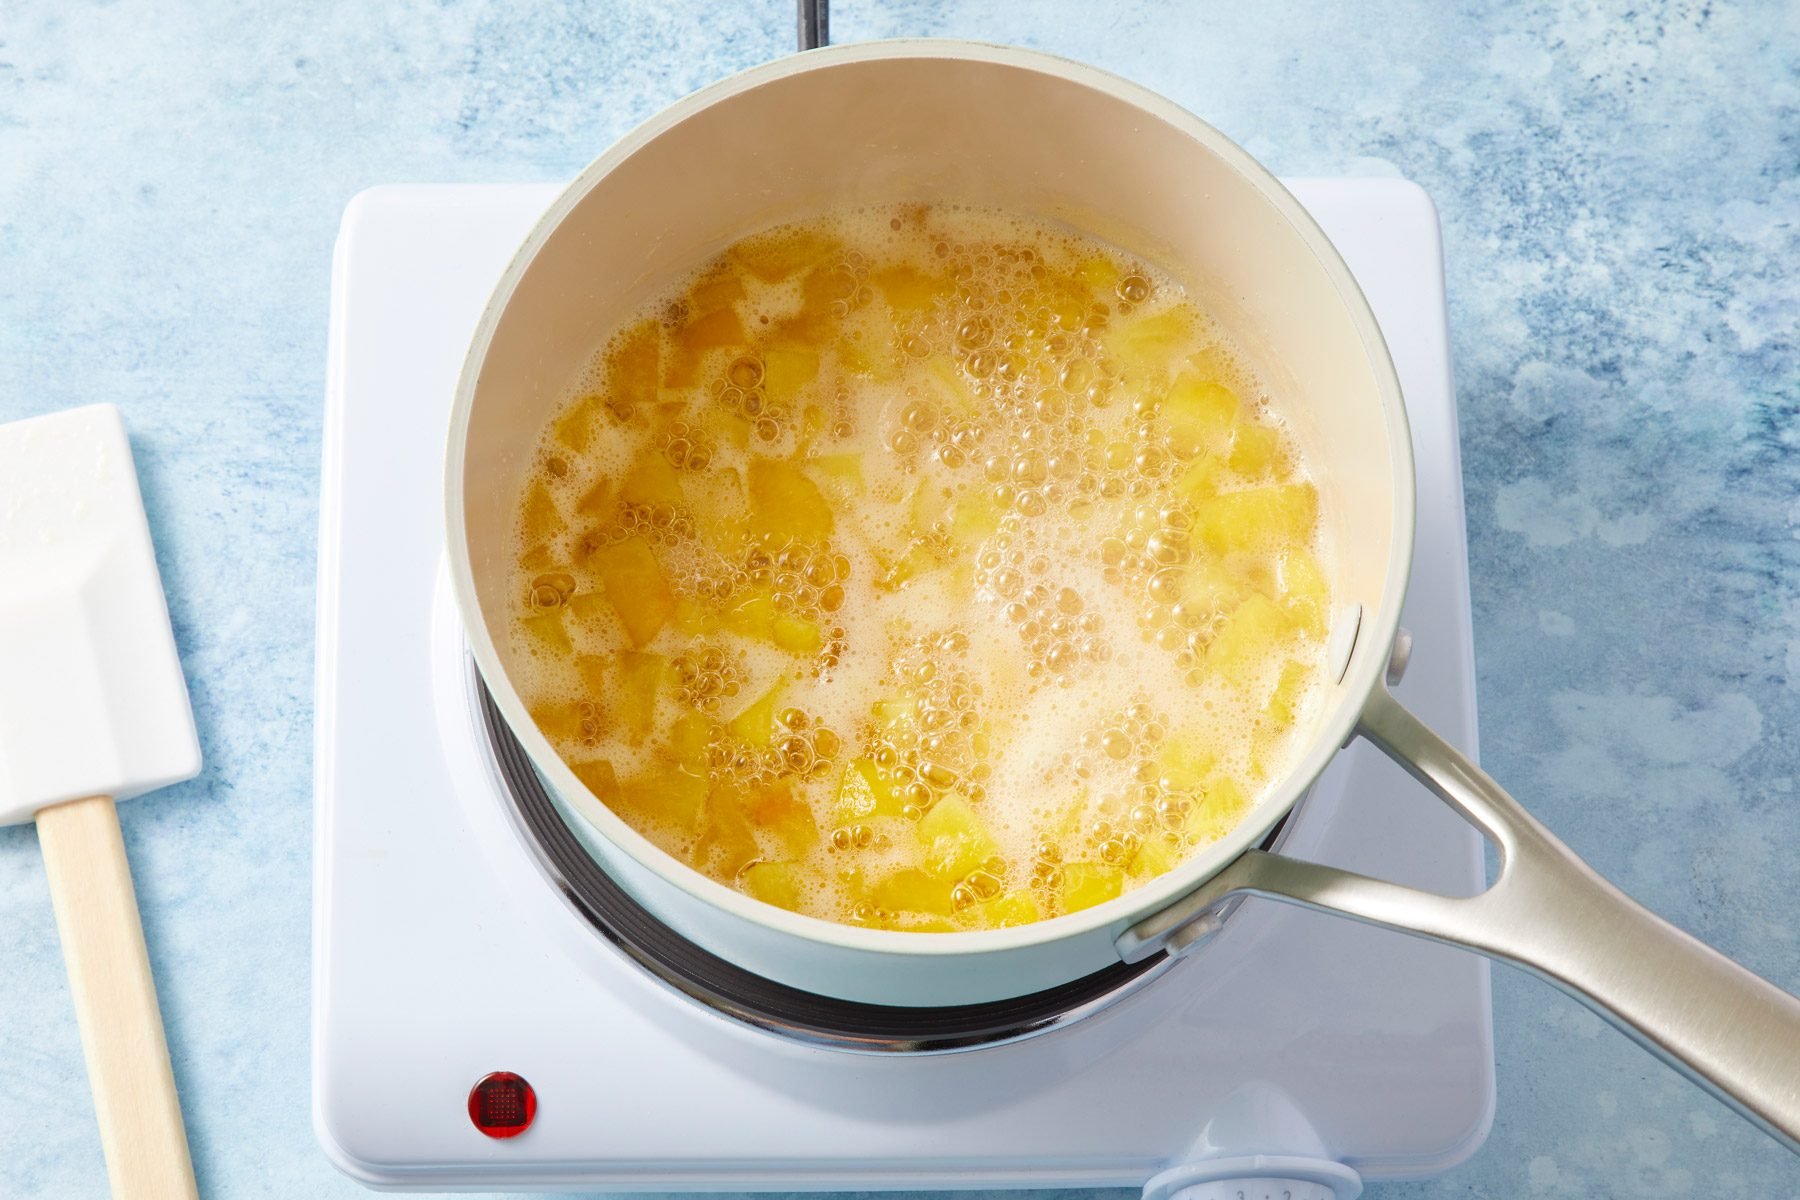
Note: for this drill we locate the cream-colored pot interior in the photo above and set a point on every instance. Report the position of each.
(954, 122)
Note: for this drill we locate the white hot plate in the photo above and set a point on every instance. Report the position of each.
(444, 951)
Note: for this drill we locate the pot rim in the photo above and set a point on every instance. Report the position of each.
(1377, 628)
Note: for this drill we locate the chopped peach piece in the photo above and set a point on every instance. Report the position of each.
(717, 495)
(575, 428)
(863, 793)
(716, 291)
(752, 614)
(780, 253)
(952, 839)
(693, 619)
(785, 505)
(787, 370)
(725, 425)
(840, 476)
(976, 517)
(592, 669)
(865, 346)
(1154, 857)
(1284, 702)
(1216, 812)
(670, 798)
(721, 512)
(779, 883)
(1303, 591)
(651, 481)
(1255, 450)
(598, 776)
(1201, 415)
(673, 402)
(952, 389)
(1279, 712)
(596, 501)
(1207, 586)
(689, 739)
(1200, 480)
(1100, 274)
(795, 635)
(815, 324)
(635, 362)
(790, 820)
(1085, 884)
(1255, 628)
(756, 724)
(894, 711)
(642, 678)
(1217, 362)
(1261, 518)
(1002, 912)
(912, 890)
(847, 469)
(581, 550)
(1152, 342)
(1185, 761)
(812, 424)
(920, 557)
(908, 289)
(635, 585)
(560, 721)
(715, 330)
(727, 842)
(589, 607)
(547, 630)
(541, 522)
(929, 504)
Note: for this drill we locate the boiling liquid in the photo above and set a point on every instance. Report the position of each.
(926, 569)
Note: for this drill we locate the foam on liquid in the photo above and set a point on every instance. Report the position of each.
(1032, 598)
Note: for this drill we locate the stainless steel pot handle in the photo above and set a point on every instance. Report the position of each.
(1735, 1034)
(813, 21)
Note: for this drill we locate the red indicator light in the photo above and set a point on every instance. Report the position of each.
(502, 1105)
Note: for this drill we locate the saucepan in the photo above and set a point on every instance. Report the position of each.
(1009, 129)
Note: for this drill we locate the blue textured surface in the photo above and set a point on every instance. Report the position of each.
(1620, 189)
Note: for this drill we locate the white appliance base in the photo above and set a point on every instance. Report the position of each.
(442, 952)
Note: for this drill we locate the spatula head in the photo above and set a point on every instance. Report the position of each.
(92, 701)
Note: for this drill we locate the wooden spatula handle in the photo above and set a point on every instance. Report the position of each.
(115, 1001)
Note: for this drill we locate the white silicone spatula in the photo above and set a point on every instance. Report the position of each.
(93, 709)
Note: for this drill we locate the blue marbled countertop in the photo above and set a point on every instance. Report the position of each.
(1619, 182)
